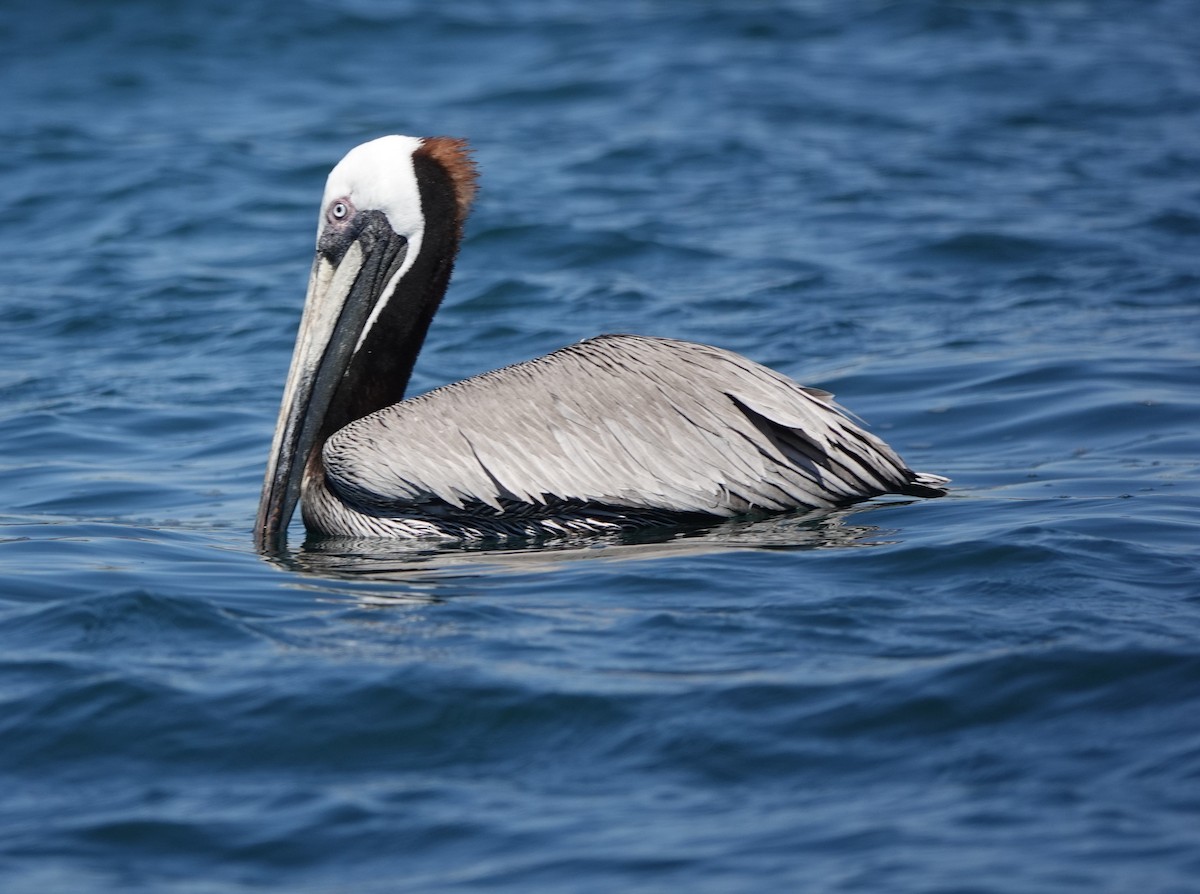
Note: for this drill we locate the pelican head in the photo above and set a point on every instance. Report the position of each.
(391, 221)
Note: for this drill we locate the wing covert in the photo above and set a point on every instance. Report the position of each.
(625, 421)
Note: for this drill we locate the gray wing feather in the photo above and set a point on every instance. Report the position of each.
(624, 421)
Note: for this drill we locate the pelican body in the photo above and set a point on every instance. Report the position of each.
(614, 432)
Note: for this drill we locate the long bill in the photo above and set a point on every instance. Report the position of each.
(341, 296)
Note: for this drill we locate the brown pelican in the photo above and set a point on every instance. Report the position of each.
(614, 432)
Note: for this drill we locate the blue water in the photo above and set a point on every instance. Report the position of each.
(977, 223)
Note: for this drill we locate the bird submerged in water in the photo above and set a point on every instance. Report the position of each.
(612, 433)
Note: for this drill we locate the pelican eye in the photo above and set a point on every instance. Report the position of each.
(339, 210)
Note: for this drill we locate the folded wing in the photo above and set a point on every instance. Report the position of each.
(619, 421)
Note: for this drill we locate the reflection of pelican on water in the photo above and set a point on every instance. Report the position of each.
(423, 564)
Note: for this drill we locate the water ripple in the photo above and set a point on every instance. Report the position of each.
(971, 221)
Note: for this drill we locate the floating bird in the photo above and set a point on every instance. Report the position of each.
(612, 433)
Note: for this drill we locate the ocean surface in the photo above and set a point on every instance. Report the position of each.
(977, 222)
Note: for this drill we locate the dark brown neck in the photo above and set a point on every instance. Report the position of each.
(380, 371)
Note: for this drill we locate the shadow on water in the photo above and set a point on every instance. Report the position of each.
(417, 561)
